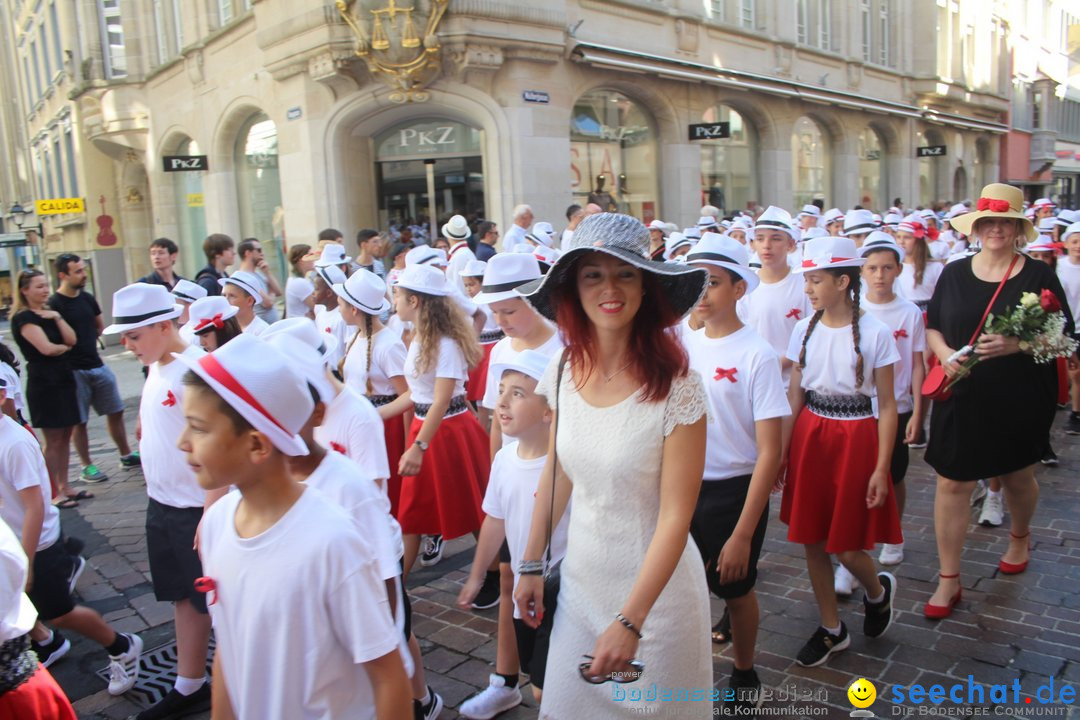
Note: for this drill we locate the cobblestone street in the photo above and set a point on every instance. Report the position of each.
(1008, 630)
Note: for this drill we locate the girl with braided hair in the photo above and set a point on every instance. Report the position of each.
(838, 498)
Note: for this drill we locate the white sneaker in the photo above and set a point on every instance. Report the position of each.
(993, 510)
(124, 669)
(891, 554)
(978, 493)
(844, 583)
(494, 699)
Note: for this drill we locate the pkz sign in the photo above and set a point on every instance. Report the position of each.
(930, 151)
(710, 131)
(185, 163)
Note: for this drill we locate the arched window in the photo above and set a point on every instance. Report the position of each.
(190, 213)
(729, 165)
(258, 189)
(872, 178)
(613, 154)
(809, 162)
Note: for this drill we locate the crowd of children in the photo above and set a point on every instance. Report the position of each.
(296, 471)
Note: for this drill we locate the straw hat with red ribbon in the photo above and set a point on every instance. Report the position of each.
(996, 200)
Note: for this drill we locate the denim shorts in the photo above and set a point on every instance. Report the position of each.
(97, 387)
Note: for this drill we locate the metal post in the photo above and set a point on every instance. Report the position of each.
(429, 167)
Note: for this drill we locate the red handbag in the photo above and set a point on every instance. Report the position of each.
(937, 383)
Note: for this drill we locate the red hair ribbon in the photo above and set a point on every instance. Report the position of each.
(217, 321)
(993, 205)
(208, 586)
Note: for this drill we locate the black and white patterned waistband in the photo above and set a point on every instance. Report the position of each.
(380, 400)
(489, 338)
(839, 407)
(457, 406)
(17, 663)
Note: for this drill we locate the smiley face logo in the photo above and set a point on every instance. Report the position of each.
(862, 693)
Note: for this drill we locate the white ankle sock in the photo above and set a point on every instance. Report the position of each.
(876, 600)
(187, 686)
(835, 630)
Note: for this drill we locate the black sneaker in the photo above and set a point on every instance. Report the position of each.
(53, 650)
(1072, 425)
(431, 552)
(431, 710)
(78, 565)
(746, 687)
(1049, 457)
(174, 705)
(821, 645)
(878, 616)
(488, 596)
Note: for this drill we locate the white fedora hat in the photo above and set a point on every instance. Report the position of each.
(426, 255)
(505, 272)
(858, 222)
(474, 268)
(456, 229)
(332, 254)
(1073, 228)
(365, 291)
(208, 313)
(304, 330)
(777, 218)
(187, 291)
(304, 359)
(527, 362)
(832, 215)
(823, 253)
(259, 382)
(1043, 243)
(424, 279)
(811, 210)
(139, 305)
(542, 234)
(331, 275)
(246, 281)
(676, 241)
(878, 240)
(726, 252)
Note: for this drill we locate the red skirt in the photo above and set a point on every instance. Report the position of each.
(394, 435)
(39, 698)
(477, 382)
(829, 467)
(446, 497)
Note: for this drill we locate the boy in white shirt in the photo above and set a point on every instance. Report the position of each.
(780, 301)
(243, 290)
(516, 472)
(884, 262)
(1068, 271)
(145, 317)
(25, 508)
(742, 456)
(286, 569)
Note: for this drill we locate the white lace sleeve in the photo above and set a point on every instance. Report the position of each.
(686, 403)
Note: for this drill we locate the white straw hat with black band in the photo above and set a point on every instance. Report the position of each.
(426, 255)
(858, 222)
(187, 291)
(331, 275)
(825, 253)
(332, 254)
(208, 313)
(246, 281)
(139, 305)
(365, 291)
(474, 268)
(726, 252)
(504, 273)
(777, 218)
(627, 239)
(424, 279)
(272, 396)
(530, 363)
(305, 330)
(456, 229)
(879, 240)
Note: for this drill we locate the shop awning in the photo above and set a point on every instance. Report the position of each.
(635, 61)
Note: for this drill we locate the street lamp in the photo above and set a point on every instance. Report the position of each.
(18, 215)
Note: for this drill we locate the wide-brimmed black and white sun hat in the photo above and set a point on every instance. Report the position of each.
(627, 239)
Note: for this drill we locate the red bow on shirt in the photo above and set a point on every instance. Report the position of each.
(329, 331)
(217, 321)
(901, 333)
(337, 447)
(169, 400)
(208, 586)
(993, 205)
(795, 313)
(722, 374)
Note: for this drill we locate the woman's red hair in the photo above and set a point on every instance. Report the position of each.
(658, 357)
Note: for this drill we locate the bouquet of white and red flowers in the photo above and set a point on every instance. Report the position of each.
(1037, 321)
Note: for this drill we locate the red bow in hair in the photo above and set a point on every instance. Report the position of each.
(932, 233)
(216, 321)
(918, 230)
(993, 205)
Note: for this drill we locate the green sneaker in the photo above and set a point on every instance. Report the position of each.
(130, 461)
(91, 474)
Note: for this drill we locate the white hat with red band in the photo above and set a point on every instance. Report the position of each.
(259, 382)
(208, 313)
(823, 253)
(833, 215)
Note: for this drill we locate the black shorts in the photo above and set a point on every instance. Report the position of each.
(174, 563)
(526, 647)
(717, 513)
(49, 593)
(899, 464)
(504, 553)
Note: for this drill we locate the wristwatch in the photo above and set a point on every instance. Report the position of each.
(422, 445)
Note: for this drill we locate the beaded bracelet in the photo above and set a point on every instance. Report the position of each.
(629, 625)
(531, 567)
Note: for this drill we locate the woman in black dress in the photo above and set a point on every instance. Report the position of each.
(44, 339)
(997, 421)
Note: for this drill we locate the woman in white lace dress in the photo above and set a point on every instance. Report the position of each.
(630, 444)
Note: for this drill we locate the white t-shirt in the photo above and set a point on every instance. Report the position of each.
(514, 235)
(257, 326)
(22, 466)
(387, 360)
(567, 236)
(773, 309)
(925, 290)
(742, 380)
(503, 352)
(169, 478)
(299, 608)
(329, 320)
(450, 363)
(14, 387)
(297, 290)
(905, 321)
(460, 255)
(1069, 275)
(830, 356)
(490, 325)
(510, 497)
(17, 613)
(352, 427)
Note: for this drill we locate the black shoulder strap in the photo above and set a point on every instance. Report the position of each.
(554, 457)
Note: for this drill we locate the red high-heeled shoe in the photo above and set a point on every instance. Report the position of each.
(1008, 568)
(940, 612)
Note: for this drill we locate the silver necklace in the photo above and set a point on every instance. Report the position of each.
(608, 378)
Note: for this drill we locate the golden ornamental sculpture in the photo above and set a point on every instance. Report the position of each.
(388, 41)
